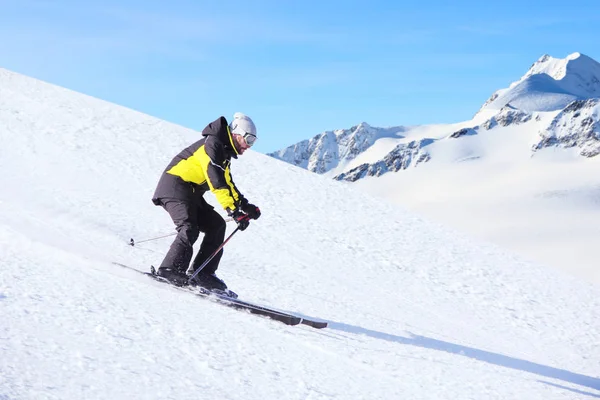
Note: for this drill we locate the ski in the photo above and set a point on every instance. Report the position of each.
(235, 303)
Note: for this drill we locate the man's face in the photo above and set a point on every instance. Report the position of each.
(240, 144)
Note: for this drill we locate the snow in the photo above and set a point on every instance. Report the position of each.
(416, 309)
(551, 84)
(544, 207)
(541, 204)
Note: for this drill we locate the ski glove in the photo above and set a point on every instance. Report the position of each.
(242, 219)
(252, 211)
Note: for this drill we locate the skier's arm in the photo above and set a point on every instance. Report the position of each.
(242, 199)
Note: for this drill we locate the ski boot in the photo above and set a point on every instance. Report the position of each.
(176, 277)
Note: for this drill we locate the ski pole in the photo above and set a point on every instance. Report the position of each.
(191, 278)
(133, 242)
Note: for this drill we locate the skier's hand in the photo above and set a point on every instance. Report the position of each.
(242, 219)
(252, 210)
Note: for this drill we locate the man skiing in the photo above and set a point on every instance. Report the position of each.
(204, 166)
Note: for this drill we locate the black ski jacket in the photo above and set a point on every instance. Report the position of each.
(203, 166)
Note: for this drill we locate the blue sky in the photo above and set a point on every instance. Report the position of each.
(297, 68)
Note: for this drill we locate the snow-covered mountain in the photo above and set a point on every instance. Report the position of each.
(528, 160)
(567, 89)
(577, 125)
(333, 150)
(550, 85)
(401, 157)
(415, 310)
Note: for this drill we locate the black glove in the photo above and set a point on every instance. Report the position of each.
(252, 211)
(242, 219)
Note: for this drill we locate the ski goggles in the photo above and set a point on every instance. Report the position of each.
(249, 139)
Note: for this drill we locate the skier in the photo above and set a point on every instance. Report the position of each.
(204, 166)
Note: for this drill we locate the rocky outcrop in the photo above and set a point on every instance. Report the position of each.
(577, 125)
(402, 157)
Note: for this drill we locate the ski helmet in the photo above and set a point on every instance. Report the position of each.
(244, 126)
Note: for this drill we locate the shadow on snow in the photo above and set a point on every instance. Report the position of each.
(477, 354)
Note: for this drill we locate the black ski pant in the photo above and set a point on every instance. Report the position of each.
(190, 219)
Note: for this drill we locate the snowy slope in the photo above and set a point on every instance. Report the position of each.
(416, 310)
(518, 180)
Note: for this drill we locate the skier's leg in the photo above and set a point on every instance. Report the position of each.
(184, 215)
(214, 227)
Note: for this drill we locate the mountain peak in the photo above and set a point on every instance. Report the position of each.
(330, 149)
(356, 129)
(559, 68)
(547, 58)
(544, 58)
(551, 84)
